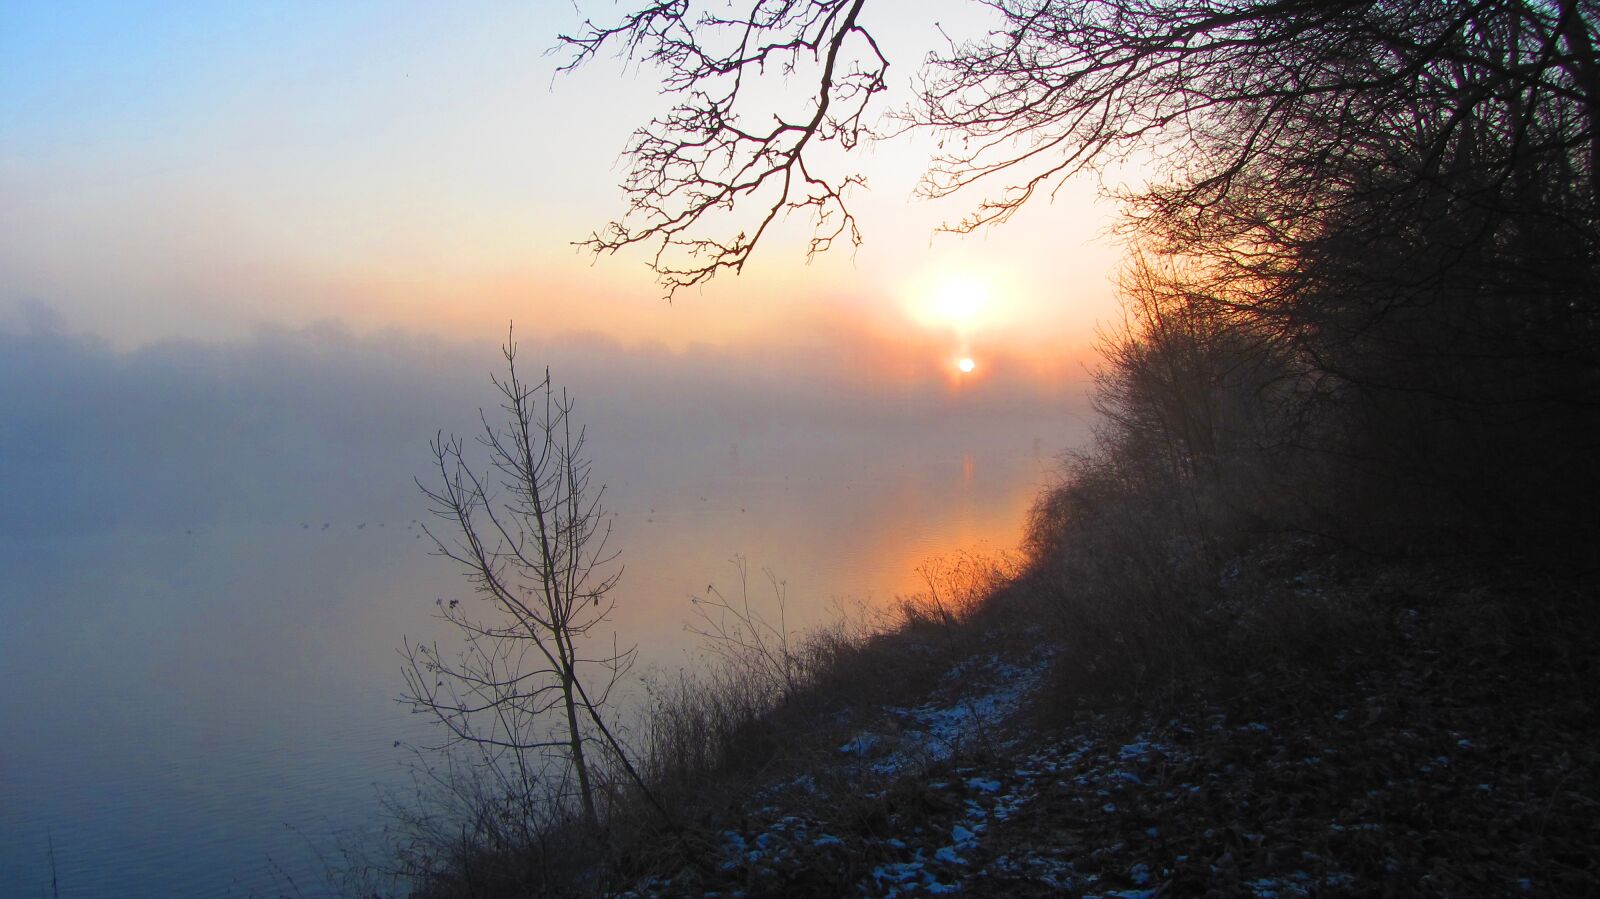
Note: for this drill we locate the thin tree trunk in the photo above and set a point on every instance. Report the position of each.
(590, 819)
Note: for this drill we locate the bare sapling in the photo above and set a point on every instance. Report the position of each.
(528, 688)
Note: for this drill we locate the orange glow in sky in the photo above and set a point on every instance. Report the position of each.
(409, 180)
(957, 303)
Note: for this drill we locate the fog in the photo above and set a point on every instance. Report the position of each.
(211, 552)
(321, 425)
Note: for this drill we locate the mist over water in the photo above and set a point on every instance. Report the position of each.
(211, 554)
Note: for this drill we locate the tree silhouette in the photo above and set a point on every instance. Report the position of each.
(698, 166)
(1264, 116)
(531, 534)
(1401, 197)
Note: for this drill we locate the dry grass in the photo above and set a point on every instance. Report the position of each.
(768, 701)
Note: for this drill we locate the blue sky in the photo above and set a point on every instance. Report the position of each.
(201, 171)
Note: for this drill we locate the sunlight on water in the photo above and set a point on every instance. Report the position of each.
(205, 711)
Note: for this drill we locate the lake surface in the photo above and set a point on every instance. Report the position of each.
(210, 557)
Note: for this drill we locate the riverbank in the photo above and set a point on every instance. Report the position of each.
(1450, 750)
(1408, 729)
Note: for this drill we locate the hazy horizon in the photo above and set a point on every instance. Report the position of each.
(254, 260)
(213, 555)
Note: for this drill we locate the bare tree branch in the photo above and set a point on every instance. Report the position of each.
(711, 176)
(534, 545)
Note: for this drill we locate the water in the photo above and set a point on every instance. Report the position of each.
(197, 694)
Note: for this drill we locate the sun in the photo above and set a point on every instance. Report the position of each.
(957, 303)
(966, 365)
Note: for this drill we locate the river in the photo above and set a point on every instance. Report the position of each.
(210, 563)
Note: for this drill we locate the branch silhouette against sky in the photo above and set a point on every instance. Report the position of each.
(1269, 112)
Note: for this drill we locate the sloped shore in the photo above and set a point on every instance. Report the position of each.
(1441, 742)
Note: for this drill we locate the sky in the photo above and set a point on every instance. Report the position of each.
(253, 256)
(171, 173)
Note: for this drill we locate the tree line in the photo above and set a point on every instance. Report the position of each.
(1361, 294)
(1360, 303)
